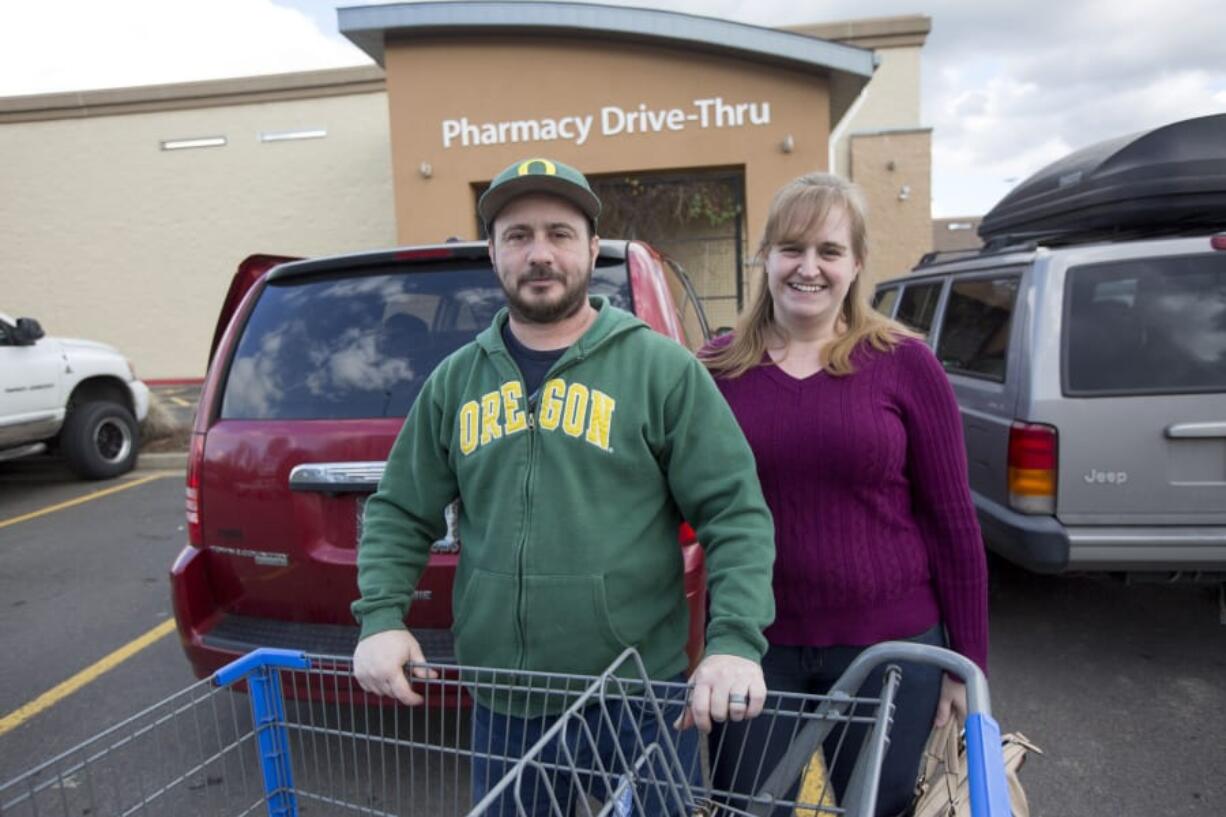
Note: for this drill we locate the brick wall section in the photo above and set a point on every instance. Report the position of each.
(960, 233)
(899, 229)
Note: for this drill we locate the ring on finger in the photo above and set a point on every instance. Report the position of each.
(738, 700)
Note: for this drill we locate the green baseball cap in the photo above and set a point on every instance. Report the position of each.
(538, 176)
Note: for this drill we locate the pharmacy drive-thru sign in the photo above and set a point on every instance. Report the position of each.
(616, 92)
(610, 120)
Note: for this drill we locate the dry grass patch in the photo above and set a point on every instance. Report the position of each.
(162, 431)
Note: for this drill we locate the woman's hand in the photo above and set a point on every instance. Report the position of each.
(953, 701)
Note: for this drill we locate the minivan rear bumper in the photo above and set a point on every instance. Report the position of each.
(1042, 544)
(213, 637)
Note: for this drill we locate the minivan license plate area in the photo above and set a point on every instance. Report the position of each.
(450, 543)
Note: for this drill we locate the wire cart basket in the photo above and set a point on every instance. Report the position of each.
(305, 740)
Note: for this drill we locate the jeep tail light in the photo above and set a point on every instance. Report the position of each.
(195, 464)
(1033, 456)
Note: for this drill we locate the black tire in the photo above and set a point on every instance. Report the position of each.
(99, 440)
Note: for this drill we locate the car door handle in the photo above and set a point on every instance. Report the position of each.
(336, 477)
(1179, 431)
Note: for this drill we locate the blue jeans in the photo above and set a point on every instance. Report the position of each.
(743, 754)
(588, 758)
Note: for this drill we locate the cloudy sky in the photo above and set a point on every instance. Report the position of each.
(1008, 85)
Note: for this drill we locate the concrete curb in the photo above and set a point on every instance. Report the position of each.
(166, 461)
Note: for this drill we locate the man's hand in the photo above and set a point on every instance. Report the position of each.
(725, 687)
(379, 661)
(952, 701)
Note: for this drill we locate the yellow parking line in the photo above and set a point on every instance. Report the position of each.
(179, 401)
(815, 788)
(63, 690)
(4, 523)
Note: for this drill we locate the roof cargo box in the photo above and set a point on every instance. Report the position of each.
(1168, 180)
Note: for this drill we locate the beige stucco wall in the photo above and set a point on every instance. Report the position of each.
(899, 224)
(108, 237)
(429, 82)
(891, 101)
(883, 125)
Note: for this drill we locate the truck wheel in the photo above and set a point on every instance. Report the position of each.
(100, 440)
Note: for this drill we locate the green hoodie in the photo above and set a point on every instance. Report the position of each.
(570, 506)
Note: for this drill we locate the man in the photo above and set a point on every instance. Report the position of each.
(576, 439)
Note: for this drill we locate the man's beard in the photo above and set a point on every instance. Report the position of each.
(546, 311)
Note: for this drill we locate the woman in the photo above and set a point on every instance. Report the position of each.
(860, 454)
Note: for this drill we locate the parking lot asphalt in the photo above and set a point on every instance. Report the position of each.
(83, 571)
(1120, 685)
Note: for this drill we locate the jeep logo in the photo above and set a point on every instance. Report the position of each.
(1096, 477)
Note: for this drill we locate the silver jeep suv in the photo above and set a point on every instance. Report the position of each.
(1092, 383)
(1087, 351)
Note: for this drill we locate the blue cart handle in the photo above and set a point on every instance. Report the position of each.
(989, 791)
(240, 668)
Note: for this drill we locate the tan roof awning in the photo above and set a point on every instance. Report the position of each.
(847, 68)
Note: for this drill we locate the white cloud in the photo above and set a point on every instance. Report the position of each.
(1008, 129)
(1006, 96)
(68, 46)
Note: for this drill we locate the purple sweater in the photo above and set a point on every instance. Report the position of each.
(875, 533)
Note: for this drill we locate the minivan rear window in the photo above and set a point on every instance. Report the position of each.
(1146, 326)
(350, 346)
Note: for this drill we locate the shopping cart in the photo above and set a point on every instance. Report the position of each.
(305, 740)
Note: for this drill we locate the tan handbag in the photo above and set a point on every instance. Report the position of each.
(943, 790)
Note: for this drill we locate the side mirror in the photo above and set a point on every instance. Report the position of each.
(28, 331)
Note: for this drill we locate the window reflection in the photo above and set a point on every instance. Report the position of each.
(363, 346)
(1155, 325)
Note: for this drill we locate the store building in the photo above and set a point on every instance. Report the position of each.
(129, 209)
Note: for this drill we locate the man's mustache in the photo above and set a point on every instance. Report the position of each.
(541, 274)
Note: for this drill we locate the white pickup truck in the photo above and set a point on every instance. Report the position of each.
(77, 396)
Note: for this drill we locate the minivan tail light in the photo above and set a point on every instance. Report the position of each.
(1218, 242)
(195, 464)
(686, 535)
(1033, 459)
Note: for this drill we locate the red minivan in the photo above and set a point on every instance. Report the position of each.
(314, 367)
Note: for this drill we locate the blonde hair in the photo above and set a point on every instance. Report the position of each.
(797, 212)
